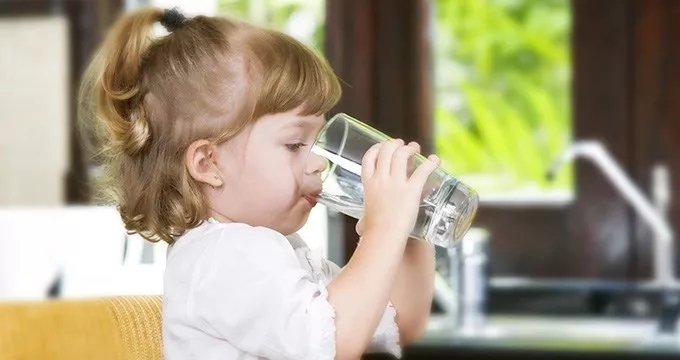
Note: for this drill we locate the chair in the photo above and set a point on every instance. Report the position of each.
(105, 328)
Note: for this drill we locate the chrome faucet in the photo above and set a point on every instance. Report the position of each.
(461, 291)
(664, 265)
(663, 234)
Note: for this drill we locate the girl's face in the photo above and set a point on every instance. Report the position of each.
(270, 177)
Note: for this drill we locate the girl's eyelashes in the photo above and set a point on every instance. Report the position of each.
(295, 147)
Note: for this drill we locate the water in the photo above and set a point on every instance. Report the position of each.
(443, 217)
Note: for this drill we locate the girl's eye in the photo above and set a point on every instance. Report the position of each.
(294, 147)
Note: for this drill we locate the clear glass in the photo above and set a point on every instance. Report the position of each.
(447, 208)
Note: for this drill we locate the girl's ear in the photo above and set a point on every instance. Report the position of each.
(201, 161)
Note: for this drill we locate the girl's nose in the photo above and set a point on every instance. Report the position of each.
(316, 164)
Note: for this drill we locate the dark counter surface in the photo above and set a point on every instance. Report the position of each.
(546, 337)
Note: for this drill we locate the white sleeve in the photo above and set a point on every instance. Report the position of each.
(386, 336)
(250, 290)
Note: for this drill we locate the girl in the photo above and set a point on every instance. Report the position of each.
(206, 134)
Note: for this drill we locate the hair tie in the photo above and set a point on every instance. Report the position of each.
(172, 19)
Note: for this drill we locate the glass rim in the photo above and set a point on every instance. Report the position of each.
(330, 167)
(325, 127)
(349, 121)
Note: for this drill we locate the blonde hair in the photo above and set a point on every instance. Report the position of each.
(146, 99)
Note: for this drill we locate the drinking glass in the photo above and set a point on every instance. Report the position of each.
(447, 205)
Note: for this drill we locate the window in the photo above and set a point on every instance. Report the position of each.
(301, 19)
(502, 101)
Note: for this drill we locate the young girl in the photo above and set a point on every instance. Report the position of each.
(206, 134)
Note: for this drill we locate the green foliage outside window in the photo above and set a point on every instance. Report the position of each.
(503, 91)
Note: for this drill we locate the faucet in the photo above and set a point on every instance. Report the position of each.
(664, 274)
(468, 279)
(663, 234)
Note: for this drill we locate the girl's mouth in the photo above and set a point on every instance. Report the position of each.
(311, 199)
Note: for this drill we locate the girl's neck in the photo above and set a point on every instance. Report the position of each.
(218, 216)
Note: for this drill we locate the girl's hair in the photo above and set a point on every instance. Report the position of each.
(147, 98)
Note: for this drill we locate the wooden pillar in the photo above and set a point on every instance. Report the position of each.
(600, 222)
(381, 51)
(655, 102)
(88, 21)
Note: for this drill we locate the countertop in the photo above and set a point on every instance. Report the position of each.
(545, 337)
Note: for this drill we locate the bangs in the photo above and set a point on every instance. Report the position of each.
(292, 76)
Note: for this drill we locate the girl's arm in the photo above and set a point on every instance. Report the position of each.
(413, 289)
(361, 292)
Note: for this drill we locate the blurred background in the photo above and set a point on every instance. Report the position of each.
(559, 112)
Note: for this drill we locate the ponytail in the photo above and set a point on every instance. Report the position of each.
(114, 82)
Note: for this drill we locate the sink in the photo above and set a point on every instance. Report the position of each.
(553, 333)
(563, 315)
(561, 297)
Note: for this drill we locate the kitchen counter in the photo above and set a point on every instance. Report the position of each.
(545, 337)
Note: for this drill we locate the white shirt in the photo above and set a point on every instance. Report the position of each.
(233, 291)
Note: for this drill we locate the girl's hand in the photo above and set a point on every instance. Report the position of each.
(392, 189)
